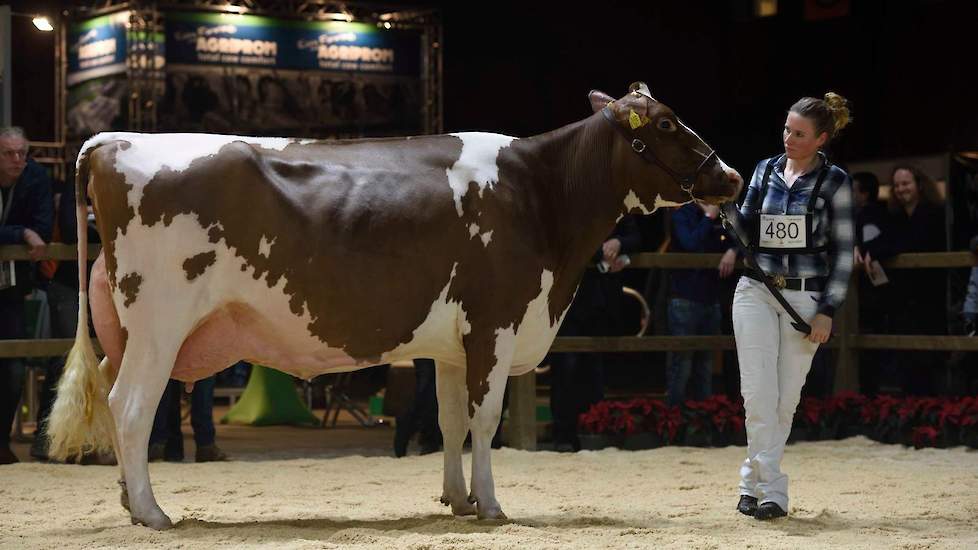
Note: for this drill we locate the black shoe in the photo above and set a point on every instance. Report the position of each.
(563, 448)
(39, 449)
(747, 505)
(402, 436)
(210, 453)
(98, 459)
(769, 510)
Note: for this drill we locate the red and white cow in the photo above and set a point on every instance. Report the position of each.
(327, 256)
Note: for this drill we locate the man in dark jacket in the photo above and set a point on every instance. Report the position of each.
(27, 211)
(694, 299)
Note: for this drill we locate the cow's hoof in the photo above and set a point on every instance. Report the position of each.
(156, 520)
(466, 508)
(124, 495)
(494, 512)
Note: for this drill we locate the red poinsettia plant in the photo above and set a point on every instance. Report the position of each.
(610, 418)
(879, 418)
(842, 414)
(917, 421)
(631, 417)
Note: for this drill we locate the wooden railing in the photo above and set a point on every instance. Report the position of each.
(522, 411)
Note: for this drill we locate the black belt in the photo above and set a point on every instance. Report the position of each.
(811, 284)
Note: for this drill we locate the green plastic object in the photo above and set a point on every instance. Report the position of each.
(376, 405)
(270, 399)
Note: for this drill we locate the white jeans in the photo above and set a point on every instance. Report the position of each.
(774, 361)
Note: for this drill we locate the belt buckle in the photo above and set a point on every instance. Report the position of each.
(779, 281)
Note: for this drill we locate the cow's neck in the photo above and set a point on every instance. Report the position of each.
(579, 188)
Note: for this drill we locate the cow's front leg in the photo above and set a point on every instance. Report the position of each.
(453, 418)
(489, 359)
(133, 400)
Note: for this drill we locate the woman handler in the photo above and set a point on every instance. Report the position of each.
(798, 216)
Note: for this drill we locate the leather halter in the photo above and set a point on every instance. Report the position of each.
(685, 181)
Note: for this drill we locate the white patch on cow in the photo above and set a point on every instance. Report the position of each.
(473, 229)
(476, 163)
(663, 203)
(486, 237)
(632, 201)
(265, 246)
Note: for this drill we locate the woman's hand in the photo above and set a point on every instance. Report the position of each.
(821, 329)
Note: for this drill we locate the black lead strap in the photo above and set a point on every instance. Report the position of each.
(750, 261)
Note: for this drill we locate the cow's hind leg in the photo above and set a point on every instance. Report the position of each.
(454, 422)
(145, 369)
(489, 361)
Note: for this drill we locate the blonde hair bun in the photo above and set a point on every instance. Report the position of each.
(840, 110)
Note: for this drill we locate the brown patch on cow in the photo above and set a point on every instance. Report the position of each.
(109, 192)
(129, 286)
(196, 265)
(367, 260)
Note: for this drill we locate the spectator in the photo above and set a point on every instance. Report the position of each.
(577, 379)
(166, 439)
(694, 304)
(421, 415)
(915, 297)
(25, 218)
(61, 284)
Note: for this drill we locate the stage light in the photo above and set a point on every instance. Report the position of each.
(43, 24)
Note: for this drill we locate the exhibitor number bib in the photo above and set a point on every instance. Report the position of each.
(784, 232)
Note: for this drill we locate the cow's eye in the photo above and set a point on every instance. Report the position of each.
(667, 125)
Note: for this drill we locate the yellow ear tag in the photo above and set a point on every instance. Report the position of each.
(634, 120)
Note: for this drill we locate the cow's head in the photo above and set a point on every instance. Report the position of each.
(660, 160)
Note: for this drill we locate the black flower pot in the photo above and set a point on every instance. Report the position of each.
(698, 438)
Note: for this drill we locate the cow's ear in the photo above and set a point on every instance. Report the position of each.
(599, 100)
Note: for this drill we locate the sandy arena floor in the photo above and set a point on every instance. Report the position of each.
(847, 494)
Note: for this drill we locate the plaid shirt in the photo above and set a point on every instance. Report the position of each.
(832, 220)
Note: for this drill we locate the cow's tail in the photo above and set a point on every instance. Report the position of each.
(80, 420)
